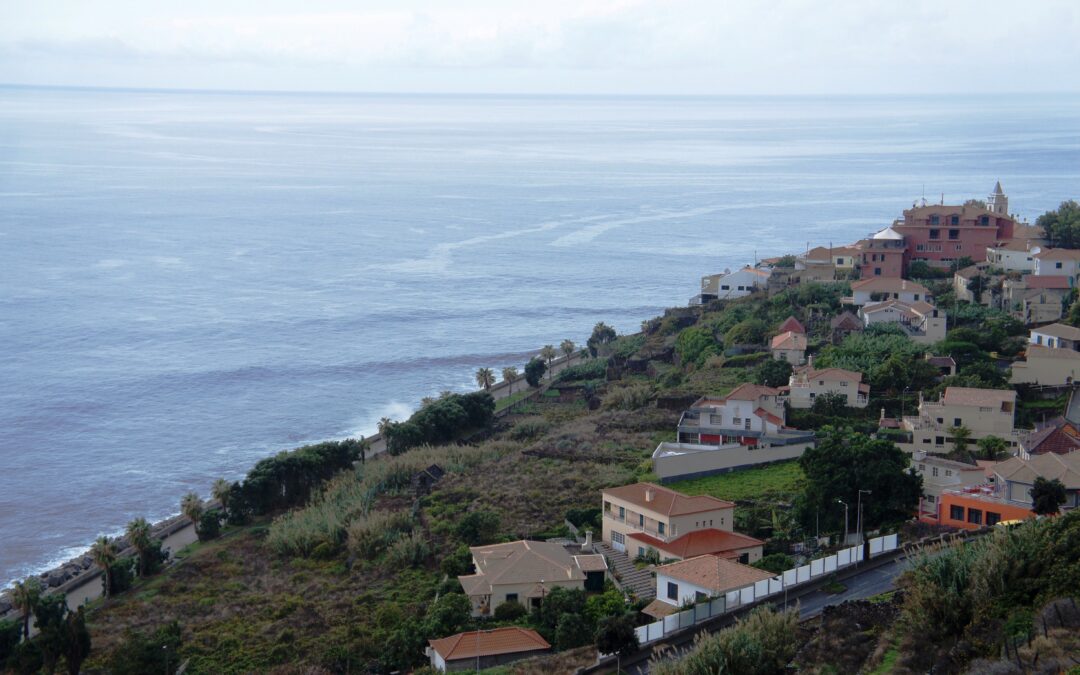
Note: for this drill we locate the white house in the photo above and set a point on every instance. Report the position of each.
(806, 384)
(878, 289)
(1013, 256)
(738, 284)
(923, 322)
(705, 576)
(1057, 262)
(1056, 336)
(749, 413)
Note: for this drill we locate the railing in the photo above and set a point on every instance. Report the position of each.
(634, 525)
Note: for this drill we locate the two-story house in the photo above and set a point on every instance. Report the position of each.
(747, 415)
(1035, 299)
(789, 346)
(737, 284)
(922, 322)
(1056, 336)
(697, 579)
(940, 474)
(870, 291)
(1063, 262)
(1013, 256)
(1016, 477)
(984, 412)
(882, 255)
(807, 383)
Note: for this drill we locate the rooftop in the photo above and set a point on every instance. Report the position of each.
(888, 233)
(714, 572)
(790, 340)
(829, 374)
(890, 285)
(1058, 254)
(700, 542)
(791, 324)
(1039, 352)
(665, 500)
(509, 640)
(518, 562)
(1048, 281)
(1059, 330)
(1059, 436)
(1051, 466)
(967, 396)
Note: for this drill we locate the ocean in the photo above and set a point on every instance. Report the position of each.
(190, 281)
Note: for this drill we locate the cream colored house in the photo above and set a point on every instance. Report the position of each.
(923, 322)
(700, 578)
(1057, 262)
(660, 513)
(1047, 366)
(879, 289)
(524, 571)
(940, 474)
(1016, 476)
(1036, 300)
(807, 383)
(985, 412)
(789, 346)
(1056, 336)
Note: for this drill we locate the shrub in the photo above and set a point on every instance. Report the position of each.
(571, 631)
(10, 633)
(209, 525)
(370, 535)
(478, 527)
(593, 369)
(510, 611)
(534, 370)
(146, 652)
(441, 421)
(123, 574)
(458, 563)
(408, 551)
(760, 644)
(632, 397)
(529, 428)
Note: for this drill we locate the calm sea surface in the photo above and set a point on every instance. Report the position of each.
(189, 282)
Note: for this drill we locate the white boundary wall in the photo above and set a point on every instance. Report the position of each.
(763, 589)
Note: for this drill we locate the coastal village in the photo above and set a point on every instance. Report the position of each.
(805, 420)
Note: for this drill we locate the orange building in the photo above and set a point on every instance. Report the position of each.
(975, 508)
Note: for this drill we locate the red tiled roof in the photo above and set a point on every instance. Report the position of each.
(665, 500)
(888, 284)
(749, 392)
(769, 417)
(791, 324)
(790, 340)
(1047, 282)
(1058, 436)
(509, 640)
(700, 542)
(714, 573)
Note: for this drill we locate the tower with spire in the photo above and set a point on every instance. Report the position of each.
(997, 201)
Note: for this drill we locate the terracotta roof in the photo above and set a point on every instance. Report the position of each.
(1021, 231)
(665, 500)
(942, 361)
(1050, 466)
(1058, 254)
(509, 640)
(1020, 245)
(749, 392)
(791, 324)
(769, 417)
(518, 562)
(1059, 436)
(830, 374)
(845, 319)
(714, 573)
(700, 542)
(1052, 281)
(978, 397)
(1059, 330)
(591, 563)
(1038, 352)
(658, 609)
(888, 284)
(789, 340)
(968, 272)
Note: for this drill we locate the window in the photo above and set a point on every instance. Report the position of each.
(934, 472)
(984, 220)
(742, 288)
(935, 219)
(641, 520)
(821, 383)
(941, 420)
(922, 467)
(877, 271)
(935, 234)
(622, 512)
(939, 440)
(660, 528)
(930, 499)
(992, 518)
(959, 247)
(954, 220)
(948, 472)
(954, 234)
(641, 551)
(926, 441)
(975, 516)
(746, 424)
(1057, 265)
(618, 538)
(839, 261)
(725, 287)
(843, 384)
(700, 597)
(710, 523)
(956, 512)
(956, 422)
(744, 558)
(736, 421)
(511, 597)
(673, 591)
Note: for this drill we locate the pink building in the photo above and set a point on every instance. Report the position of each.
(940, 234)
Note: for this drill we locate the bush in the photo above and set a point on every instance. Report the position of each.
(146, 652)
(408, 551)
(632, 397)
(775, 563)
(510, 611)
(571, 631)
(123, 574)
(747, 332)
(370, 535)
(530, 428)
(288, 478)
(584, 518)
(695, 345)
(458, 563)
(593, 369)
(10, 633)
(478, 527)
(442, 420)
(761, 644)
(209, 525)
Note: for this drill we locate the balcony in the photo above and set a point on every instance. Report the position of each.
(632, 523)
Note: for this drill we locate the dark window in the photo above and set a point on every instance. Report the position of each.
(744, 558)
(700, 597)
(673, 591)
(511, 597)
(954, 234)
(641, 520)
(985, 220)
(954, 220)
(1057, 265)
(939, 440)
(660, 528)
(935, 234)
(992, 518)
(877, 271)
(975, 516)
(956, 422)
(956, 512)
(725, 287)
(935, 219)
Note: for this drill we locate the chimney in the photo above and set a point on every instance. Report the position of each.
(649, 494)
(588, 541)
(810, 361)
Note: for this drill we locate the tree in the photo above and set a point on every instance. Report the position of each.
(831, 404)
(104, 552)
(10, 634)
(485, 377)
(511, 610)
(25, 595)
(364, 447)
(843, 462)
(616, 635)
(547, 352)
(773, 372)
(76, 641)
(567, 347)
(602, 335)
(1062, 227)
(138, 535)
(571, 631)
(209, 525)
(961, 437)
(978, 203)
(448, 615)
(509, 374)
(140, 653)
(478, 527)
(534, 370)
(992, 447)
(192, 507)
(384, 424)
(746, 332)
(221, 487)
(785, 261)
(49, 617)
(1047, 496)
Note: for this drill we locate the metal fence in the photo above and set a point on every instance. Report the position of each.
(763, 589)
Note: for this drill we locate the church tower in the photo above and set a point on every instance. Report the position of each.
(997, 201)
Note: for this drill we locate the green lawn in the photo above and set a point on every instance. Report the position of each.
(785, 477)
(510, 400)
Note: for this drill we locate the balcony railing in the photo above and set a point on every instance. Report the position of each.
(633, 524)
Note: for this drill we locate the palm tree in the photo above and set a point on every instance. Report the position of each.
(384, 424)
(138, 535)
(25, 596)
(568, 347)
(104, 554)
(192, 507)
(364, 446)
(485, 378)
(547, 352)
(220, 491)
(509, 374)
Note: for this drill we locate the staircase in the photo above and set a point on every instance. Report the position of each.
(630, 579)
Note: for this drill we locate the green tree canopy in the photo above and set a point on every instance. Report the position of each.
(1062, 226)
(1047, 496)
(602, 335)
(773, 373)
(891, 361)
(843, 462)
(695, 345)
(534, 370)
(746, 332)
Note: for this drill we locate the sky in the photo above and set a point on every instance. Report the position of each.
(711, 47)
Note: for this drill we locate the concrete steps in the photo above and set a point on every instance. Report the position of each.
(637, 582)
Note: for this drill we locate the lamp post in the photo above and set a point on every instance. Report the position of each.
(841, 501)
(859, 517)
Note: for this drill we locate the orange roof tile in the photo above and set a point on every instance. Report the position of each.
(507, 640)
(714, 573)
(699, 542)
(791, 324)
(888, 284)
(789, 340)
(978, 397)
(665, 500)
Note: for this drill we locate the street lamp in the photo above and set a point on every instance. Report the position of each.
(841, 501)
(859, 526)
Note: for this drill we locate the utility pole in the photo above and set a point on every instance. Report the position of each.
(841, 501)
(860, 516)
